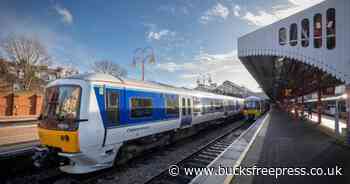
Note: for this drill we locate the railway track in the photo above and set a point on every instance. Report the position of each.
(199, 159)
(109, 175)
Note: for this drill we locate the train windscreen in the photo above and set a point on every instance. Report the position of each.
(61, 108)
(250, 104)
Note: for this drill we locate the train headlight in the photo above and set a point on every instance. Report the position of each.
(65, 138)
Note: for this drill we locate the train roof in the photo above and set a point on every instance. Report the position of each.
(254, 98)
(105, 78)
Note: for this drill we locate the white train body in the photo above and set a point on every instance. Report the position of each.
(88, 118)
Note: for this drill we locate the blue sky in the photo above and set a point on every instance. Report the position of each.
(189, 37)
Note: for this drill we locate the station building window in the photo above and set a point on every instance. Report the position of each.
(293, 34)
(331, 34)
(112, 106)
(141, 107)
(305, 33)
(318, 31)
(282, 36)
(172, 104)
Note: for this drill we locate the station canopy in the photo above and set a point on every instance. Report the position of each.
(301, 54)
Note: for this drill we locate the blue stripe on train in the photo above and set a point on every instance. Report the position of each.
(125, 95)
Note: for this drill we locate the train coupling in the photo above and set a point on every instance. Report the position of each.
(46, 157)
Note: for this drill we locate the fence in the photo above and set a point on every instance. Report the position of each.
(20, 105)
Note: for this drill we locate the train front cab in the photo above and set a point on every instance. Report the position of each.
(252, 109)
(70, 129)
(58, 127)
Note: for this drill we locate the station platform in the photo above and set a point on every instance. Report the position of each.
(284, 142)
(328, 122)
(16, 119)
(17, 139)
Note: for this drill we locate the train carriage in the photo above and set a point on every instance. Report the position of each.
(254, 107)
(96, 119)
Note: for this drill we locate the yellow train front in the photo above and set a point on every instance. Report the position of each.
(254, 107)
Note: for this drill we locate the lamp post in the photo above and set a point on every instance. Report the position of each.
(143, 55)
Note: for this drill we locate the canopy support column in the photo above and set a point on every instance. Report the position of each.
(347, 100)
(336, 118)
(302, 96)
(296, 108)
(319, 106)
(302, 105)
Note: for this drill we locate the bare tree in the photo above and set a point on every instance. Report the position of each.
(28, 54)
(108, 67)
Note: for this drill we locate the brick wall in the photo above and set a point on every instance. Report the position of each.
(23, 104)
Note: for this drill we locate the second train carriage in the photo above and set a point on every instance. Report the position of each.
(90, 118)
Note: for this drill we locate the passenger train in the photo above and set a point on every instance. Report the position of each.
(97, 120)
(254, 107)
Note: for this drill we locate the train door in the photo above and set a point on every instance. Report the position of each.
(186, 111)
(113, 103)
(110, 102)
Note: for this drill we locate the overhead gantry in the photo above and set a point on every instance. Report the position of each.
(301, 54)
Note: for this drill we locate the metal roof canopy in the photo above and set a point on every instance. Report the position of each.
(275, 74)
(277, 67)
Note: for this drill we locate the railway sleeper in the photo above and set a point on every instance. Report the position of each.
(216, 148)
(194, 164)
(211, 154)
(201, 159)
(212, 151)
(203, 156)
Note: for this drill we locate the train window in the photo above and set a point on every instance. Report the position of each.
(331, 35)
(172, 104)
(218, 105)
(189, 109)
(141, 107)
(62, 103)
(318, 31)
(293, 34)
(196, 105)
(183, 107)
(282, 36)
(112, 106)
(211, 105)
(305, 33)
(205, 106)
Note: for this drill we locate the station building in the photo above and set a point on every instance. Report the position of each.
(304, 53)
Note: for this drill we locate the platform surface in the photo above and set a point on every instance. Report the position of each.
(283, 142)
(18, 138)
